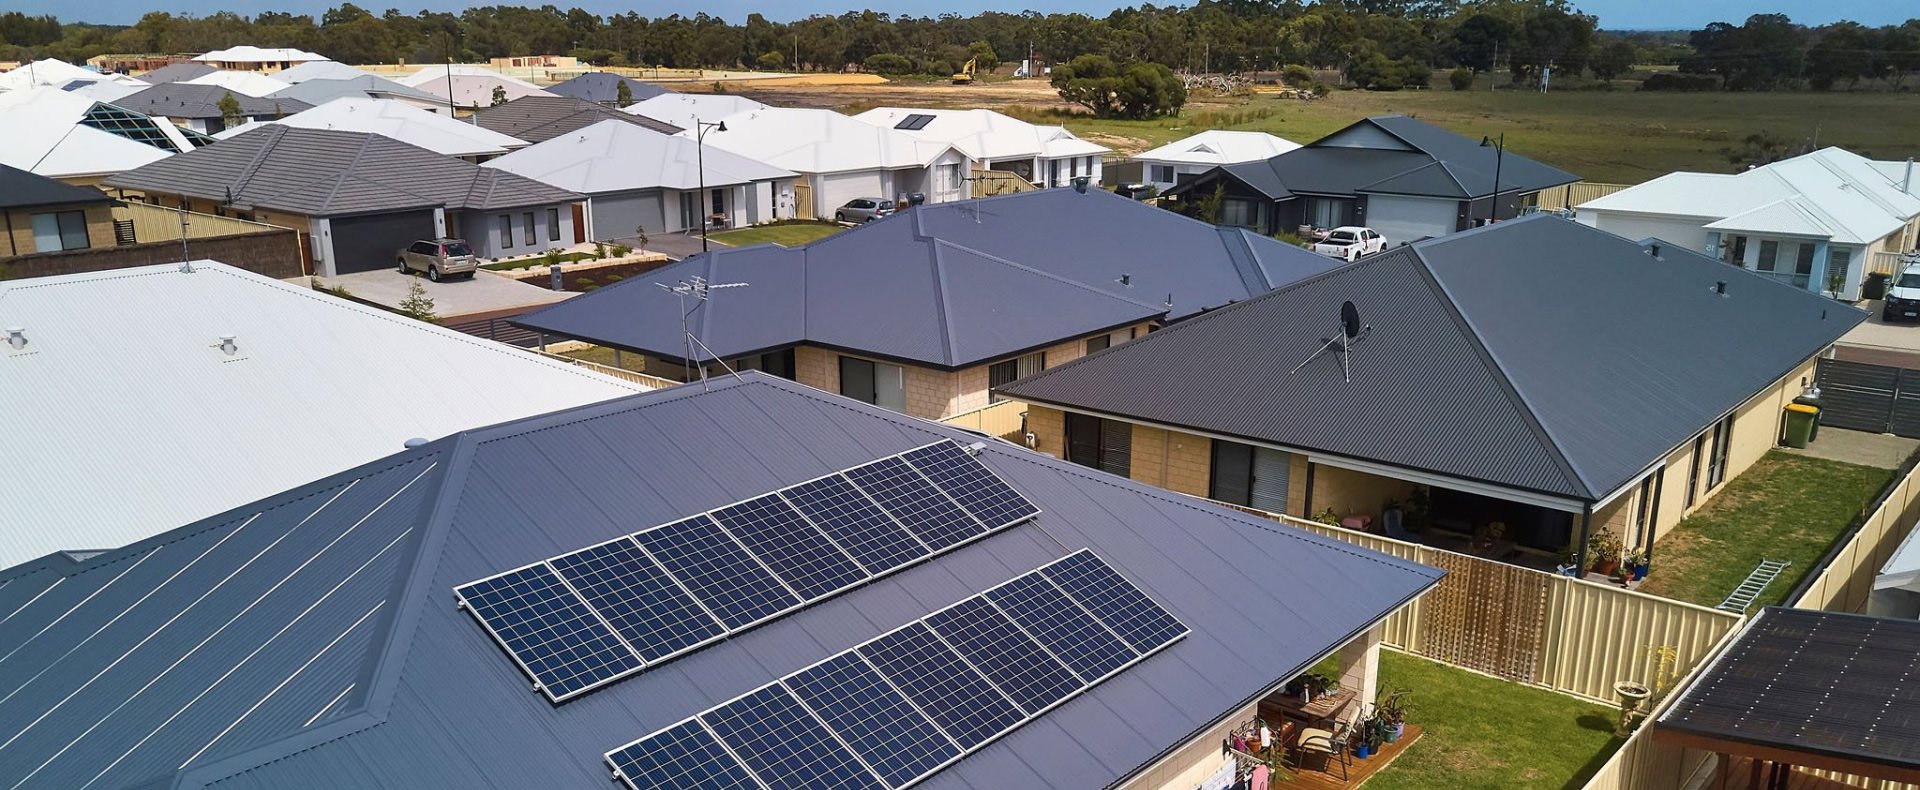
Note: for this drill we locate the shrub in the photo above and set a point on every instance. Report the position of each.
(1665, 81)
(1296, 75)
(772, 60)
(1321, 89)
(1461, 78)
(887, 63)
(1415, 72)
(1120, 90)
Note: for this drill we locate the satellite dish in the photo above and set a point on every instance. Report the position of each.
(1349, 320)
(1342, 342)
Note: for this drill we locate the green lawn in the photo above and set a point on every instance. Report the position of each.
(1481, 732)
(789, 234)
(1786, 507)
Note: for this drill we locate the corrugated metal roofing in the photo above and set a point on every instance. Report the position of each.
(1537, 354)
(1220, 147)
(985, 134)
(417, 695)
(808, 140)
(947, 285)
(178, 72)
(603, 87)
(403, 122)
(22, 189)
(540, 118)
(318, 91)
(183, 100)
(1830, 193)
(618, 156)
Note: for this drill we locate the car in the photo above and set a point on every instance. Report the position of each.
(439, 259)
(1903, 296)
(1349, 242)
(863, 210)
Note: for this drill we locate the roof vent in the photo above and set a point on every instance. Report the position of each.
(1126, 280)
(1080, 184)
(227, 346)
(17, 337)
(975, 448)
(414, 442)
(1654, 250)
(1720, 287)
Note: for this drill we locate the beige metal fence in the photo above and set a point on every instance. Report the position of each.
(1887, 263)
(1575, 194)
(988, 183)
(653, 382)
(1006, 419)
(158, 223)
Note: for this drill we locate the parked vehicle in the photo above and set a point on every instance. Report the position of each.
(1350, 242)
(863, 210)
(439, 259)
(1903, 298)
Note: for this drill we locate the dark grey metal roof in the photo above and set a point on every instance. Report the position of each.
(181, 100)
(177, 72)
(312, 640)
(540, 118)
(320, 91)
(23, 189)
(323, 172)
(948, 285)
(1538, 354)
(603, 87)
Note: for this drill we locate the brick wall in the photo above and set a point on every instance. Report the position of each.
(275, 254)
(1172, 460)
(20, 222)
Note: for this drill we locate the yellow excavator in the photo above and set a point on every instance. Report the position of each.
(965, 77)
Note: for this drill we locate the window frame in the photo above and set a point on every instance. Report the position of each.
(506, 231)
(68, 227)
(527, 226)
(1018, 368)
(553, 224)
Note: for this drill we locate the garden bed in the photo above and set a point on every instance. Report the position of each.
(580, 279)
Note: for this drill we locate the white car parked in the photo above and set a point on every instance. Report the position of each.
(1350, 242)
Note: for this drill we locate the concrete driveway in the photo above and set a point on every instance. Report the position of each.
(1880, 343)
(485, 293)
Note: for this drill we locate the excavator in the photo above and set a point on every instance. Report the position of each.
(965, 76)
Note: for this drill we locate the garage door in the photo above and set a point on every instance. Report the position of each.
(1407, 219)
(834, 191)
(363, 244)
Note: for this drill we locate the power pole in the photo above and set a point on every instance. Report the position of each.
(1493, 71)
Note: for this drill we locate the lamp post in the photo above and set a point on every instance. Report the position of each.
(1499, 147)
(700, 129)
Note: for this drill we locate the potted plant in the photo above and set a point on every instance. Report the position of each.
(1636, 561)
(1392, 712)
(1603, 550)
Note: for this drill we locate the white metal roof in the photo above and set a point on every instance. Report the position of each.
(683, 109)
(1902, 570)
(50, 72)
(127, 419)
(819, 141)
(1830, 193)
(399, 121)
(244, 82)
(44, 135)
(247, 53)
(985, 134)
(319, 70)
(616, 156)
(1220, 147)
(472, 85)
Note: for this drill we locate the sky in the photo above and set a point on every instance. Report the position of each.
(1614, 14)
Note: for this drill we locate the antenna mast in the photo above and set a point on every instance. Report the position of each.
(1350, 332)
(698, 288)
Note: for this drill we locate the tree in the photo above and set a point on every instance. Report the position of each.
(622, 94)
(1112, 90)
(499, 96)
(1846, 52)
(983, 55)
(771, 60)
(230, 110)
(1762, 54)
(1478, 39)
(1612, 60)
(887, 63)
(417, 305)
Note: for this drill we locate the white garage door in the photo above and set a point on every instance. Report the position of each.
(1409, 219)
(835, 190)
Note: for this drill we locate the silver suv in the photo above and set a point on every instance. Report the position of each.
(863, 210)
(439, 258)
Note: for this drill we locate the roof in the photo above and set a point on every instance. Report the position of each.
(1831, 193)
(1902, 570)
(540, 118)
(1834, 690)
(312, 391)
(399, 121)
(319, 70)
(177, 72)
(1220, 147)
(604, 88)
(617, 156)
(682, 109)
(1572, 372)
(248, 83)
(820, 141)
(60, 135)
(471, 86)
(321, 172)
(982, 133)
(247, 53)
(318, 91)
(311, 640)
(22, 189)
(49, 72)
(948, 285)
(184, 100)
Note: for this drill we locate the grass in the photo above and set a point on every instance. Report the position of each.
(787, 233)
(1487, 733)
(1786, 507)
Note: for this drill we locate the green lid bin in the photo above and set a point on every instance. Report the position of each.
(1876, 286)
(1800, 424)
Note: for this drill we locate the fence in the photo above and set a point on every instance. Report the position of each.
(652, 382)
(988, 183)
(1889, 263)
(157, 223)
(1006, 419)
(1575, 194)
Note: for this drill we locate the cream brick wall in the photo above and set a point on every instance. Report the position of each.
(1049, 429)
(1194, 761)
(20, 222)
(1353, 493)
(1172, 460)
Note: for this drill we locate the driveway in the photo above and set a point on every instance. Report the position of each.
(486, 293)
(1880, 343)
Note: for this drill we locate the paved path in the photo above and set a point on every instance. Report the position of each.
(1883, 450)
(1880, 343)
(486, 293)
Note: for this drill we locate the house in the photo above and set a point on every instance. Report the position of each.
(470, 86)
(843, 159)
(320, 70)
(537, 119)
(320, 91)
(359, 197)
(1533, 383)
(1896, 588)
(312, 384)
(1814, 220)
(179, 72)
(265, 60)
(79, 140)
(1048, 156)
(337, 634)
(411, 125)
(1194, 154)
(197, 107)
(244, 83)
(923, 311)
(535, 62)
(59, 74)
(602, 87)
(43, 215)
(686, 109)
(638, 179)
(1405, 178)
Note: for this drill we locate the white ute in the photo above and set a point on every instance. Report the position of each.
(1350, 242)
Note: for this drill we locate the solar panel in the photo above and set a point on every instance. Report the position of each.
(784, 745)
(955, 696)
(717, 571)
(1008, 657)
(970, 483)
(796, 552)
(682, 757)
(554, 636)
(1086, 646)
(874, 539)
(927, 513)
(871, 716)
(1115, 601)
(634, 595)
(914, 122)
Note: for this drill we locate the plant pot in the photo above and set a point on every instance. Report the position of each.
(1362, 751)
(1399, 729)
(1639, 572)
(1606, 567)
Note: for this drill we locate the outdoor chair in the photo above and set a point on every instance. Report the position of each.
(1319, 749)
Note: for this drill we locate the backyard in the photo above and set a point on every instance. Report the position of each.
(785, 233)
(1786, 507)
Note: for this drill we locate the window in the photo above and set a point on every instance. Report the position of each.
(1328, 212)
(1838, 259)
(1803, 265)
(526, 221)
(1722, 445)
(1647, 509)
(777, 363)
(1100, 343)
(424, 248)
(947, 178)
(506, 231)
(1769, 250)
(1238, 213)
(1693, 472)
(1053, 173)
(61, 230)
(1002, 373)
(1737, 251)
(1106, 445)
(1249, 476)
(1162, 174)
(719, 201)
(877, 383)
(553, 224)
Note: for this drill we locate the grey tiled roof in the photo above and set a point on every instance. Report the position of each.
(180, 100)
(539, 118)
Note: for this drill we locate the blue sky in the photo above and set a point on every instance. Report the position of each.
(1614, 14)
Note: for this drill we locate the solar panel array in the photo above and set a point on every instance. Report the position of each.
(590, 617)
(914, 122)
(890, 712)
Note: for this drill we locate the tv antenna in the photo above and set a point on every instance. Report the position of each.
(698, 288)
(1351, 331)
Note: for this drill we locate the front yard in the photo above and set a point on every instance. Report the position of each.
(786, 234)
(1786, 507)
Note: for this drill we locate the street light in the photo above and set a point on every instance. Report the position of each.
(700, 129)
(1499, 147)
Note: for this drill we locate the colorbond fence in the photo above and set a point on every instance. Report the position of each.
(654, 382)
(1006, 419)
(1575, 194)
(155, 223)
